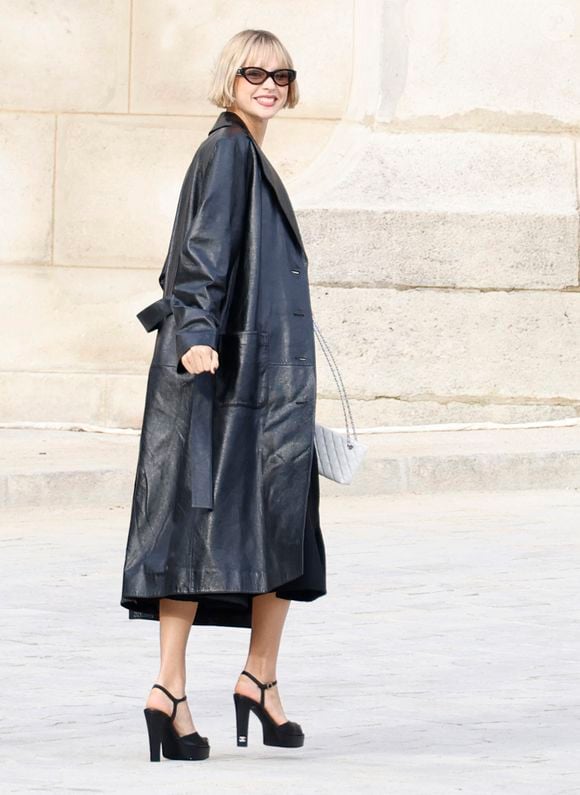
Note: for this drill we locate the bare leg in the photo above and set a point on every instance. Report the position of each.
(175, 620)
(268, 617)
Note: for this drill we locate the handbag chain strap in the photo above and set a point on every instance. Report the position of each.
(338, 381)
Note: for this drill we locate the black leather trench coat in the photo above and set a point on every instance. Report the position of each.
(224, 463)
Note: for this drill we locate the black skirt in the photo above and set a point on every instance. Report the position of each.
(235, 609)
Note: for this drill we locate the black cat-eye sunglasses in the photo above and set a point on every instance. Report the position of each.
(256, 75)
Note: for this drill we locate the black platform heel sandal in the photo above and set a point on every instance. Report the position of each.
(162, 733)
(286, 735)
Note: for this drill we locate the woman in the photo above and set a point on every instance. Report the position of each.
(224, 525)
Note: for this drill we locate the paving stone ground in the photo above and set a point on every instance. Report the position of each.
(445, 657)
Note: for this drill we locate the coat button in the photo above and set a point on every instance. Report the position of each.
(302, 358)
(300, 314)
(295, 271)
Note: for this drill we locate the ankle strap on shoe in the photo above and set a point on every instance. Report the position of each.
(262, 685)
(175, 700)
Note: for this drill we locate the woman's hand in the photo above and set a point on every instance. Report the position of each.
(200, 358)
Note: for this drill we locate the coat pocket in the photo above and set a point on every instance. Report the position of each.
(241, 378)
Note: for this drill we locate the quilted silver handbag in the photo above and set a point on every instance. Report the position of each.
(339, 455)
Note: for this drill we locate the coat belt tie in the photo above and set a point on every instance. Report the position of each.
(153, 315)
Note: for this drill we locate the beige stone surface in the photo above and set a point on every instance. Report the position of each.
(400, 248)
(293, 144)
(118, 182)
(26, 168)
(70, 55)
(75, 319)
(466, 64)
(411, 411)
(104, 399)
(470, 210)
(441, 172)
(31, 396)
(175, 45)
(429, 344)
(124, 397)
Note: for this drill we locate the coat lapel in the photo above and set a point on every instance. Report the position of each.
(227, 119)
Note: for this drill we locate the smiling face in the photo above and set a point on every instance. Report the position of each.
(261, 102)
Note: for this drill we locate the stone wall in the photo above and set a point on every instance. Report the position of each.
(432, 162)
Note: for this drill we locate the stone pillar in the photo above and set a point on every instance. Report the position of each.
(442, 215)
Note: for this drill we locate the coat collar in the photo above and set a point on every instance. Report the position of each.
(228, 119)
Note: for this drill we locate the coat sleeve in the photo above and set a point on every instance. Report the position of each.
(212, 242)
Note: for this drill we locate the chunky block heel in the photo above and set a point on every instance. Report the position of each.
(242, 718)
(156, 722)
(285, 735)
(162, 733)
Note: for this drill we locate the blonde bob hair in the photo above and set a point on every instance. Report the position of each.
(249, 48)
